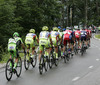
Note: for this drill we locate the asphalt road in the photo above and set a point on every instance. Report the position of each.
(81, 70)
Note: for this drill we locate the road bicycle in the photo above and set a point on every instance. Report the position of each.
(68, 55)
(76, 48)
(52, 58)
(9, 69)
(28, 60)
(83, 48)
(43, 61)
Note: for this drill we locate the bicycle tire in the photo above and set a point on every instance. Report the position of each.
(42, 65)
(9, 78)
(50, 60)
(65, 57)
(19, 64)
(46, 63)
(26, 63)
(34, 61)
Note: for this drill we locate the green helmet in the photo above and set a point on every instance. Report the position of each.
(32, 31)
(45, 28)
(55, 29)
(16, 34)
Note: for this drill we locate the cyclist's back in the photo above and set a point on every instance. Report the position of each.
(30, 39)
(83, 35)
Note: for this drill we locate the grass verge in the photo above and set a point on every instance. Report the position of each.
(97, 36)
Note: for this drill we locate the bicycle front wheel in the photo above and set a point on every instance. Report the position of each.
(19, 67)
(9, 69)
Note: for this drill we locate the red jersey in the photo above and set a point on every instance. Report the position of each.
(67, 35)
(77, 33)
(87, 31)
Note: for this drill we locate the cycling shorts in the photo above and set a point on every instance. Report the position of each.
(29, 42)
(45, 43)
(54, 41)
(83, 38)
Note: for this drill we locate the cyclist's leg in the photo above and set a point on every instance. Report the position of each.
(81, 42)
(64, 47)
(40, 52)
(69, 46)
(16, 59)
(33, 51)
(56, 47)
(28, 47)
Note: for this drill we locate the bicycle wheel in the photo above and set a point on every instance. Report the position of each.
(9, 69)
(65, 57)
(26, 62)
(56, 60)
(46, 63)
(50, 60)
(41, 65)
(19, 67)
(82, 51)
(34, 61)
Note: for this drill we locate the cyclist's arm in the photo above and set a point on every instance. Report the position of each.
(50, 39)
(22, 44)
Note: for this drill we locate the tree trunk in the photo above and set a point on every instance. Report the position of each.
(86, 12)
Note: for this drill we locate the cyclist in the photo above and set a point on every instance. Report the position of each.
(83, 36)
(87, 38)
(16, 43)
(77, 36)
(44, 39)
(67, 40)
(72, 40)
(55, 39)
(30, 41)
(61, 38)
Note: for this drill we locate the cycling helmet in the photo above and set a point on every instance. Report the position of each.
(59, 27)
(64, 29)
(16, 34)
(45, 28)
(32, 31)
(55, 29)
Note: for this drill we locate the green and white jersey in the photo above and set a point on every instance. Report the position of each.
(44, 35)
(11, 41)
(17, 39)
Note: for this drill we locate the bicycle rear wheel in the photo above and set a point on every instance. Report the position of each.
(19, 67)
(65, 57)
(9, 69)
(41, 65)
(26, 62)
(50, 60)
(46, 63)
(34, 61)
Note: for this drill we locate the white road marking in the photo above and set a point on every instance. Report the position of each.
(76, 78)
(97, 59)
(90, 66)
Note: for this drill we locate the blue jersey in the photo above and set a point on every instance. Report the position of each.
(83, 33)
